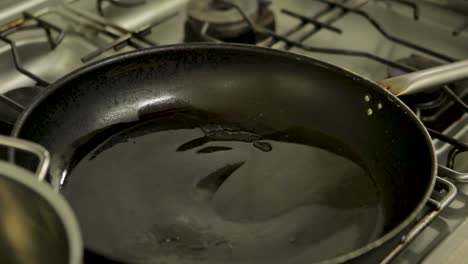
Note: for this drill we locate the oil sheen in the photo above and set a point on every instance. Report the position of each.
(191, 187)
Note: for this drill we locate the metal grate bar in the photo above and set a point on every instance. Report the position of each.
(455, 98)
(390, 37)
(342, 52)
(330, 21)
(113, 45)
(411, 5)
(460, 29)
(262, 30)
(48, 28)
(313, 21)
(269, 42)
(21, 24)
(106, 24)
(11, 103)
(128, 37)
(18, 63)
(456, 143)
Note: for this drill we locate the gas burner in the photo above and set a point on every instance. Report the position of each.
(210, 20)
(434, 108)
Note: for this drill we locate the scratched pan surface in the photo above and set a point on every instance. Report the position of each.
(210, 153)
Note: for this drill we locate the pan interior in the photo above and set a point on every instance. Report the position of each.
(189, 186)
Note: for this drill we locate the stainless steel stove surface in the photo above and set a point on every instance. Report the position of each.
(375, 38)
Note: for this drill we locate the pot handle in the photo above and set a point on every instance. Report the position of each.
(437, 205)
(423, 80)
(37, 150)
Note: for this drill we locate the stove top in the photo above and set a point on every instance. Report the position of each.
(43, 40)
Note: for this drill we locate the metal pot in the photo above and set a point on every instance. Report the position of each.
(36, 224)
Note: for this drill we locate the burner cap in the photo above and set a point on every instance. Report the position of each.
(224, 21)
(215, 12)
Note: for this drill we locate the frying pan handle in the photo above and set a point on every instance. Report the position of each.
(437, 205)
(425, 79)
(37, 150)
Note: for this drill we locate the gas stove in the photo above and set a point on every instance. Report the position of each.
(43, 40)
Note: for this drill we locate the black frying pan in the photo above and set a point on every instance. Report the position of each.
(209, 153)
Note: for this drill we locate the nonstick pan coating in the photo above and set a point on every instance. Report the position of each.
(152, 127)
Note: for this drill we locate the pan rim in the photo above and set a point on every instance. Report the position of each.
(271, 52)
